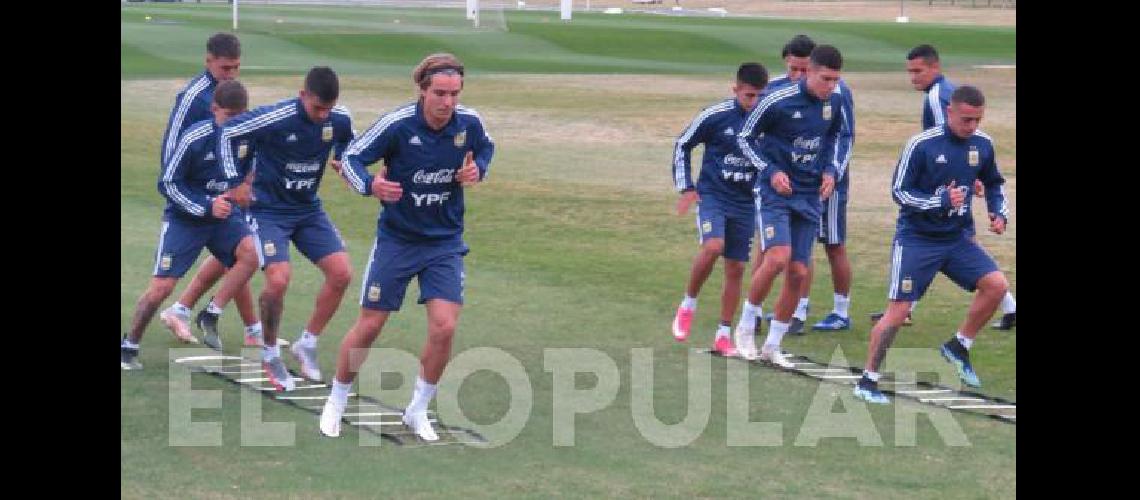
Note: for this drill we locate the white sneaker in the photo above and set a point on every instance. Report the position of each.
(774, 356)
(330, 418)
(178, 324)
(745, 339)
(307, 357)
(419, 424)
(278, 375)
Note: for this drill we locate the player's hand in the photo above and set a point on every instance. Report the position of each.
(979, 188)
(241, 194)
(385, 189)
(826, 188)
(957, 194)
(468, 174)
(997, 224)
(336, 166)
(686, 200)
(781, 183)
(220, 208)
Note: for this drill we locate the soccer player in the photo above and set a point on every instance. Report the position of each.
(199, 213)
(925, 70)
(725, 209)
(192, 105)
(797, 127)
(833, 218)
(432, 149)
(931, 185)
(292, 140)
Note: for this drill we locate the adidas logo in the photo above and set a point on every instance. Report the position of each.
(797, 115)
(729, 131)
(941, 159)
(415, 140)
(209, 156)
(291, 138)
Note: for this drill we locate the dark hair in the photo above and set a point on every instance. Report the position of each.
(925, 52)
(798, 46)
(828, 56)
(968, 94)
(753, 74)
(231, 94)
(224, 45)
(322, 82)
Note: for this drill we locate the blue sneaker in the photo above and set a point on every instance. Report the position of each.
(795, 326)
(1007, 322)
(957, 355)
(833, 322)
(869, 391)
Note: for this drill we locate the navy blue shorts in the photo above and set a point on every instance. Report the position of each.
(790, 221)
(182, 240)
(313, 233)
(716, 220)
(833, 219)
(915, 261)
(437, 265)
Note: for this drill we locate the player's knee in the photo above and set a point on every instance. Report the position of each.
(734, 269)
(246, 253)
(160, 289)
(713, 246)
(835, 251)
(441, 329)
(340, 278)
(777, 258)
(994, 283)
(276, 281)
(797, 270)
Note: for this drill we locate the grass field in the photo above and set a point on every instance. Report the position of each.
(574, 244)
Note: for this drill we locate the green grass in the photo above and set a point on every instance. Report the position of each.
(574, 245)
(369, 41)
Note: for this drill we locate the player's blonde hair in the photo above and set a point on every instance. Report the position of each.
(437, 63)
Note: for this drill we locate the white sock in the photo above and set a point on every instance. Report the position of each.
(776, 331)
(254, 329)
(872, 376)
(689, 302)
(748, 315)
(213, 308)
(1008, 305)
(179, 309)
(801, 309)
(268, 352)
(307, 340)
(722, 331)
(966, 342)
(340, 391)
(421, 397)
(842, 303)
(128, 343)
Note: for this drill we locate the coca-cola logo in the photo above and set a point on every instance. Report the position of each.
(442, 176)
